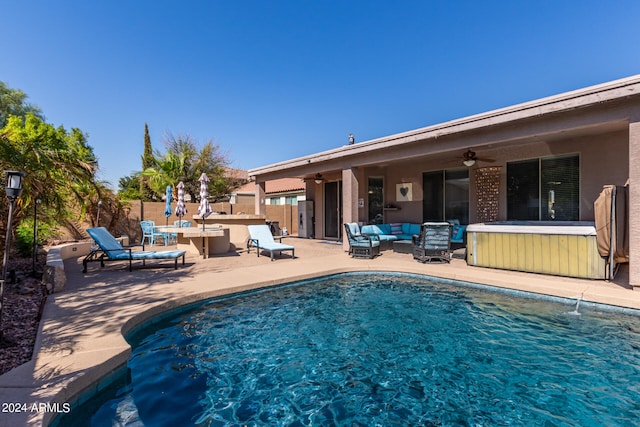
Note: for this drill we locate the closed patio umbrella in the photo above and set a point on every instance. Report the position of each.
(168, 199)
(204, 210)
(181, 208)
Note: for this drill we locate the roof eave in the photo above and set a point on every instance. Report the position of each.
(567, 101)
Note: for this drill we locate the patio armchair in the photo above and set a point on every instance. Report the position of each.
(361, 245)
(433, 243)
(150, 233)
(260, 237)
(109, 249)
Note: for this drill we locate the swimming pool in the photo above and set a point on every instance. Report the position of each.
(381, 350)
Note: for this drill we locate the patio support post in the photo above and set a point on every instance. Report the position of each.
(260, 206)
(349, 200)
(634, 203)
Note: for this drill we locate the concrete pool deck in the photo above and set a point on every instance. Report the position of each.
(81, 333)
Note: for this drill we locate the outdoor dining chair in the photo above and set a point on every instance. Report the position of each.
(182, 223)
(150, 233)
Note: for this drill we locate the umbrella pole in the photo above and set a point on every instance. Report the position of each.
(204, 255)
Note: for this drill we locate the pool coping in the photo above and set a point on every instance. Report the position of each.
(81, 338)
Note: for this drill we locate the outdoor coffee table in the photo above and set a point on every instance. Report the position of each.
(403, 246)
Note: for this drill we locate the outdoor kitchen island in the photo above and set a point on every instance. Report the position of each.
(236, 225)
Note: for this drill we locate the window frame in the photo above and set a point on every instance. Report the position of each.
(437, 190)
(547, 211)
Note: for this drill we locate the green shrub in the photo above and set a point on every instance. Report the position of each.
(24, 235)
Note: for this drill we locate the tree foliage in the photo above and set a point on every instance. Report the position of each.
(185, 161)
(13, 102)
(148, 162)
(57, 163)
(129, 187)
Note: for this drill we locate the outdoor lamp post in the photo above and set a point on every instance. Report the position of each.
(98, 216)
(13, 190)
(35, 236)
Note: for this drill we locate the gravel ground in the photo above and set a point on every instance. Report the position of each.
(21, 311)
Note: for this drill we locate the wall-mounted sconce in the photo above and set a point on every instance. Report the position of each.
(318, 179)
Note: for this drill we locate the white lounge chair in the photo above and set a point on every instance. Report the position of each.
(260, 237)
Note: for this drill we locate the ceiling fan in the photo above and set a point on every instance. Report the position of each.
(318, 178)
(469, 158)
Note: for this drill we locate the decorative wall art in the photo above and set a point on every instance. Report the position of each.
(488, 190)
(404, 192)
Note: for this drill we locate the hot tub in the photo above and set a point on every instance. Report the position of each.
(550, 247)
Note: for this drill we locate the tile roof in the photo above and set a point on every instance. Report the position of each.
(281, 185)
(236, 173)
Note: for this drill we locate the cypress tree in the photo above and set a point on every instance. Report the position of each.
(148, 161)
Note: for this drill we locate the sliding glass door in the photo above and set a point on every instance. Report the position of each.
(446, 195)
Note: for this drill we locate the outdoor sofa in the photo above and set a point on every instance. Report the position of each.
(458, 234)
(388, 233)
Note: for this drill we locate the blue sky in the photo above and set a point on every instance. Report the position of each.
(273, 80)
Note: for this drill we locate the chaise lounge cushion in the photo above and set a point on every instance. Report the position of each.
(261, 238)
(110, 249)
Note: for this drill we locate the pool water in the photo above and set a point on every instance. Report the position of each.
(363, 350)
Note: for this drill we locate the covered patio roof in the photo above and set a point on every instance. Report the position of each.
(596, 109)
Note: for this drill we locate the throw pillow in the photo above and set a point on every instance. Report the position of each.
(396, 228)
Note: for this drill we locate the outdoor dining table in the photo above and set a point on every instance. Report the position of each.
(195, 240)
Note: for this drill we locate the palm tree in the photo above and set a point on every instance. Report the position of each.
(184, 162)
(169, 169)
(56, 163)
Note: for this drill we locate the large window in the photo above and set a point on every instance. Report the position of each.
(545, 189)
(446, 195)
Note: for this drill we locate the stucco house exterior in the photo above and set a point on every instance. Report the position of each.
(277, 192)
(544, 160)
